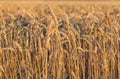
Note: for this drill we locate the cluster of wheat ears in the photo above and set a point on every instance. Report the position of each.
(60, 41)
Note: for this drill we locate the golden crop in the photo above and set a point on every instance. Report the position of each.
(59, 40)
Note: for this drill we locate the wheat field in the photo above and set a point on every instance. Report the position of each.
(59, 40)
